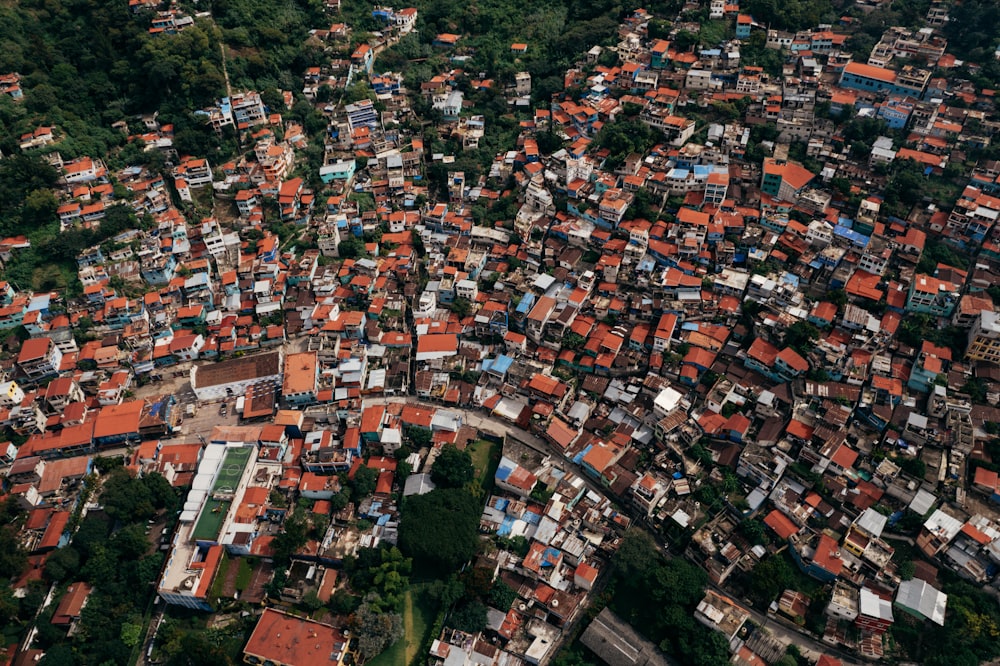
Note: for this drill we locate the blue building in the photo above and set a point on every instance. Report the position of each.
(895, 112)
(859, 76)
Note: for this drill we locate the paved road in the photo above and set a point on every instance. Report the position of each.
(790, 635)
(502, 428)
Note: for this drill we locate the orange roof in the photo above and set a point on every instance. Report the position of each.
(986, 478)
(976, 534)
(415, 415)
(120, 419)
(792, 359)
(561, 433)
(845, 456)
(870, 72)
(795, 175)
(54, 530)
(300, 373)
(384, 484)
(763, 351)
(824, 310)
(864, 284)
(799, 429)
(586, 572)
(34, 348)
(547, 385)
(71, 604)
(437, 343)
(600, 456)
(827, 555)
(781, 524)
(285, 639)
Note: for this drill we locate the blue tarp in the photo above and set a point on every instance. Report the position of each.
(527, 301)
(853, 236)
(505, 526)
(500, 365)
(503, 472)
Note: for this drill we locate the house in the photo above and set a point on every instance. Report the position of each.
(301, 379)
(722, 614)
(282, 639)
(921, 599)
(342, 170)
(784, 180)
(984, 338)
(743, 24)
(71, 604)
(446, 40)
(931, 295)
(82, 170)
(910, 81)
(233, 377)
(436, 346)
(363, 58)
(39, 359)
(194, 172)
(874, 612)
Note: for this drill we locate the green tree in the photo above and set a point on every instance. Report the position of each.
(343, 602)
(59, 655)
(363, 483)
(292, 538)
(622, 138)
(440, 530)
(770, 578)
(502, 596)
(446, 591)
(906, 569)
(351, 247)
(420, 438)
(801, 336)
(126, 498)
(469, 617)
(62, 563)
(452, 468)
(461, 307)
(311, 601)
(131, 633)
(375, 630)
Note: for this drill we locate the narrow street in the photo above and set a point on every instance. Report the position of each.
(809, 646)
(500, 428)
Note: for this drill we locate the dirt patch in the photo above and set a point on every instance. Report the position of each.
(254, 594)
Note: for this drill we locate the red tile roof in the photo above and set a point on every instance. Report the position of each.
(286, 639)
(781, 524)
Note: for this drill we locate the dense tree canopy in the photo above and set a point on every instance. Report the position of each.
(789, 14)
(135, 500)
(452, 468)
(642, 579)
(114, 555)
(439, 530)
(622, 138)
(375, 629)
